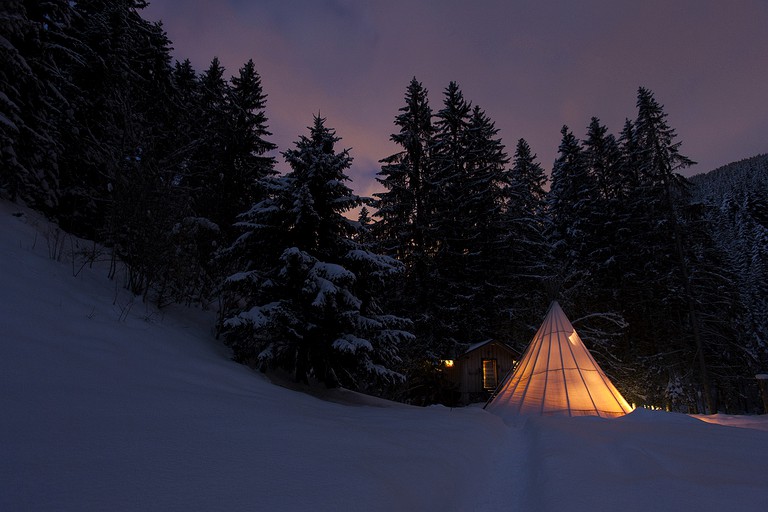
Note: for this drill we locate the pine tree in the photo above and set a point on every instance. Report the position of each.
(231, 156)
(469, 170)
(578, 232)
(122, 116)
(603, 159)
(448, 151)
(665, 318)
(404, 214)
(720, 313)
(659, 156)
(16, 77)
(527, 253)
(225, 168)
(186, 114)
(246, 161)
(487, 248)
(570, 203)
(306, 298)
(527, 182)
(206, 171)
(609, 217)
(403, 208)
(37, 48)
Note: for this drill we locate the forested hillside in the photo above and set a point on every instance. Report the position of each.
(735, 199)
(172, 170)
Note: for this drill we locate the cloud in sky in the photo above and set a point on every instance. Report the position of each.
(532, 65)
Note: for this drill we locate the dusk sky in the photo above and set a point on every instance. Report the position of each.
(531, 65)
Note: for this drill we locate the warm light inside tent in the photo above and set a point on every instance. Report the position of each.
(556, 376)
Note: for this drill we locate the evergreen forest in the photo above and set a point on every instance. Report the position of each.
(172, 171)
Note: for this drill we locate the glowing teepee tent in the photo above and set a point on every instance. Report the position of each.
(558, 376)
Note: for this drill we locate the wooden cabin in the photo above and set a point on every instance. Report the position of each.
(479, 370)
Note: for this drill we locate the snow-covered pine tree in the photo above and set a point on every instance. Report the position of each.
(468, 173)
(225, 166)
(527, 252)
(306, 294)
(664, 315)
(527, 182)
(570, 208)
(609, 217)
(246, 161)
(205, 174)
(603, 256)
(752, 226)
(37, 48)
(443, 337)
(121, 118)
(486, 254)
(580, 238)
(231, 153)
(724, 333)
(16, 79)
(403, 210)
(603, 159)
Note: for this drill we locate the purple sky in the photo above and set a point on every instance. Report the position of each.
(532, 65)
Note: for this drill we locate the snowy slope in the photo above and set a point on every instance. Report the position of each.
(109, 405)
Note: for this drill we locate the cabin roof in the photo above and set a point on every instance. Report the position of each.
(476, 346)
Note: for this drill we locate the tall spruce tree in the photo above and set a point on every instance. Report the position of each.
(246, 161)
(231, 156)
(404, 216)
(403, 210)
(527, 252)
(226, 169)
(603, 159)
(570, 203)
(189, 275)
(527, 182)
(487, 247)
(573, 231)
(665, 314)
(203, 179)
(306, 296)
(608, 214)
(122, 115)
(37, 50)
(469, 169)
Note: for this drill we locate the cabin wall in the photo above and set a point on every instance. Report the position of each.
(470, 370)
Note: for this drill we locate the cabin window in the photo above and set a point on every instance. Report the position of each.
(490, 374)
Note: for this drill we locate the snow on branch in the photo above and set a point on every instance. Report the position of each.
(351, 344)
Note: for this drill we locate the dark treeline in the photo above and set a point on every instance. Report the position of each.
(171, 169)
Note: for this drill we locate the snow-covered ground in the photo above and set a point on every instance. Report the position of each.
(107, 405)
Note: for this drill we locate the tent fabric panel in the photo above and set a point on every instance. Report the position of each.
(555, 395)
